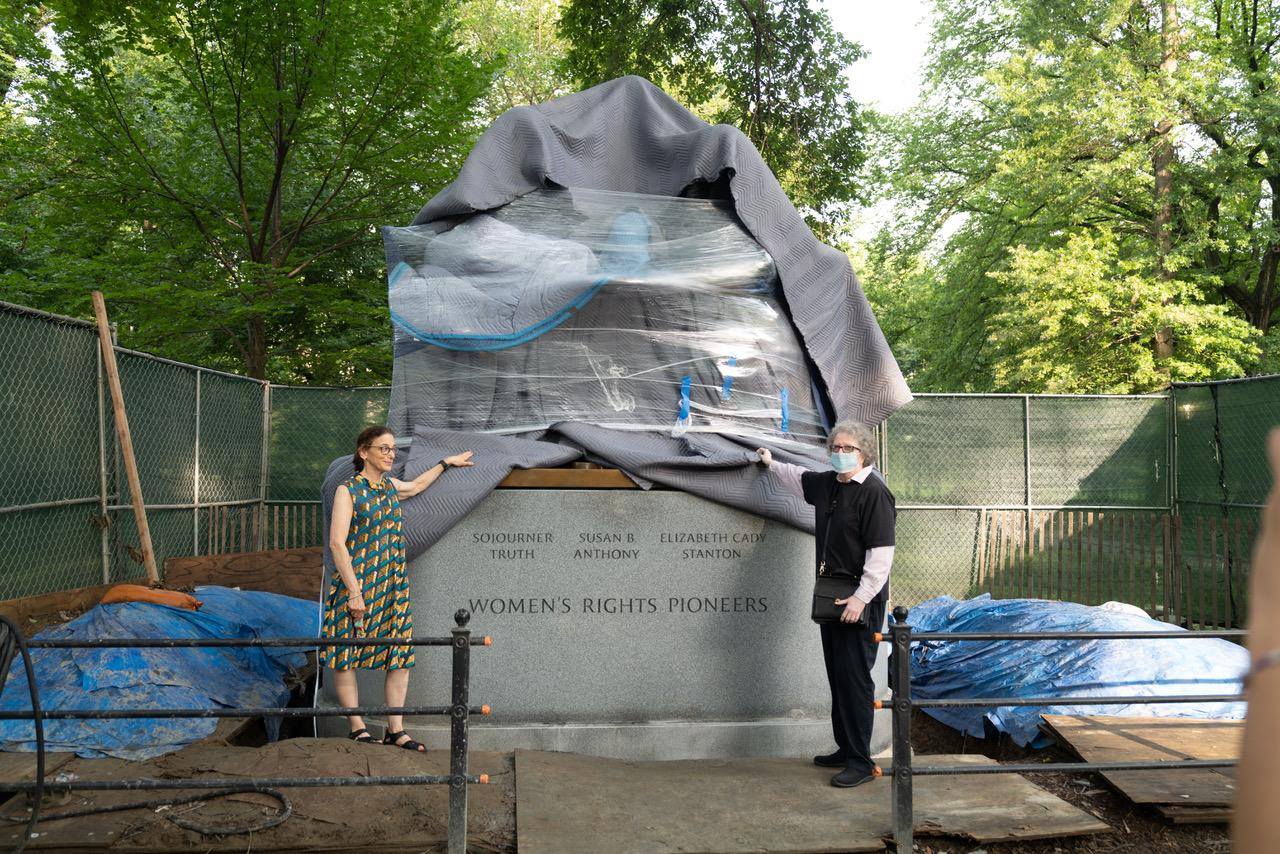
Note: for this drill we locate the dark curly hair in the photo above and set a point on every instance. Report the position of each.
(365, 441)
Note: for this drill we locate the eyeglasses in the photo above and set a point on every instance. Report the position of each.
(384, 449)
(844, 449)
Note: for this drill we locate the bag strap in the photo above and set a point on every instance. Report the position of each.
(826, 535)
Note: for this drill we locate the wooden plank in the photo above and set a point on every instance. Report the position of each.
(1195, 814)
(993, 553)
(49, 604)
(1036, 589)
(292, 572)
(1179, 563)
(1194, 606)
(1157, 552)
(1023, 552)
(567, 478)
(1090, 552)
(980, 564)
(1215, 606)
(1046, 554)
(1106, 738)
(1130, 584)
(1010, 559)
(20, 767)
(1060, 523)
(125, 438)
(1237, 558)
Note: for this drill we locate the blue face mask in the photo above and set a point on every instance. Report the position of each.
(846, 462)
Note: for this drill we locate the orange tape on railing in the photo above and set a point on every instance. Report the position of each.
(488, 641)
(484, 778)
(877, 705)
(484, 710)
(877, 771)
(878, 637)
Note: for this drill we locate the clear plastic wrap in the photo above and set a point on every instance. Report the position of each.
(617, 309)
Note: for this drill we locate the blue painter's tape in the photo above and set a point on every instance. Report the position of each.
(727, 388)
(686, 383)
(786, 416)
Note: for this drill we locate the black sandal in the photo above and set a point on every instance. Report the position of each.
(354, 735)
(393, 739)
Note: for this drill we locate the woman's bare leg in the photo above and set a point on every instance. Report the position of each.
(397, 688)
(344, 685)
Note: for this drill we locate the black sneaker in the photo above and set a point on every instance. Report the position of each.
(850, 777)
(831, 760)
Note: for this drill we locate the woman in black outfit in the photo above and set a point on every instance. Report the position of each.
(854, 516)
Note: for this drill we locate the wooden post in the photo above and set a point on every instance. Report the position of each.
(126, 440)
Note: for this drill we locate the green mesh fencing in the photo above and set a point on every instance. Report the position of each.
(231, 461)
(48, 455)
(1000, 461)
(310, 427)
(1055, 496)
(958, 450)
(1222, 481)
(1100, 452)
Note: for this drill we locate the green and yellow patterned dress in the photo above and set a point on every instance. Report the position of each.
(376, 545)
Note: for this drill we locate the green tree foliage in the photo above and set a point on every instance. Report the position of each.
(773, 68)
(1084, 179)
(521, 37)
(218, 169)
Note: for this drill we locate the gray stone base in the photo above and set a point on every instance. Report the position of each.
(648, 740)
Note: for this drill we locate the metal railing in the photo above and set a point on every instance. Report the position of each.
(459, 712)
(903, 770)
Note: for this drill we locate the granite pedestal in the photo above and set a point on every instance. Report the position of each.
(628, 624)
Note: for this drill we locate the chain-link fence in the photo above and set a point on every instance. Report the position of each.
(1223, 478)
(1008, 493)
(1067, 497)
(66, 517)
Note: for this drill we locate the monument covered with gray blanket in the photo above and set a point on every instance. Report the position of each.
(611, 280)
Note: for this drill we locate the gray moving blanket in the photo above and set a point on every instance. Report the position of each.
(625, 136)
(719, 468)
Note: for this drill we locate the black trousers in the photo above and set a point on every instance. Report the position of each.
(850, 653)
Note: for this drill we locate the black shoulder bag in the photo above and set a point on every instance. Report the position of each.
(828, 588)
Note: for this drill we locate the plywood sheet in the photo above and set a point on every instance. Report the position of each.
(1107, 738)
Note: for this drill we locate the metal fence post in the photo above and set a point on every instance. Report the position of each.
(195, 493)
(900, 638)
(458, 733)
(1026, 449)
(884, 447)
(259, 539)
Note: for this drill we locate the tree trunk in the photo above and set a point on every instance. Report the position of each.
(256, 357)
(1265, 291)
(1162, 164)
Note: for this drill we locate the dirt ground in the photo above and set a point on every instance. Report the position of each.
(1138, 829)
(395, 819)
(405, 819)
(382, 819)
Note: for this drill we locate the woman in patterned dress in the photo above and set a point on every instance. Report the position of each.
(369, 592)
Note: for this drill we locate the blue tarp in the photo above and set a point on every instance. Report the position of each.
(158, 678)
(956, 669)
